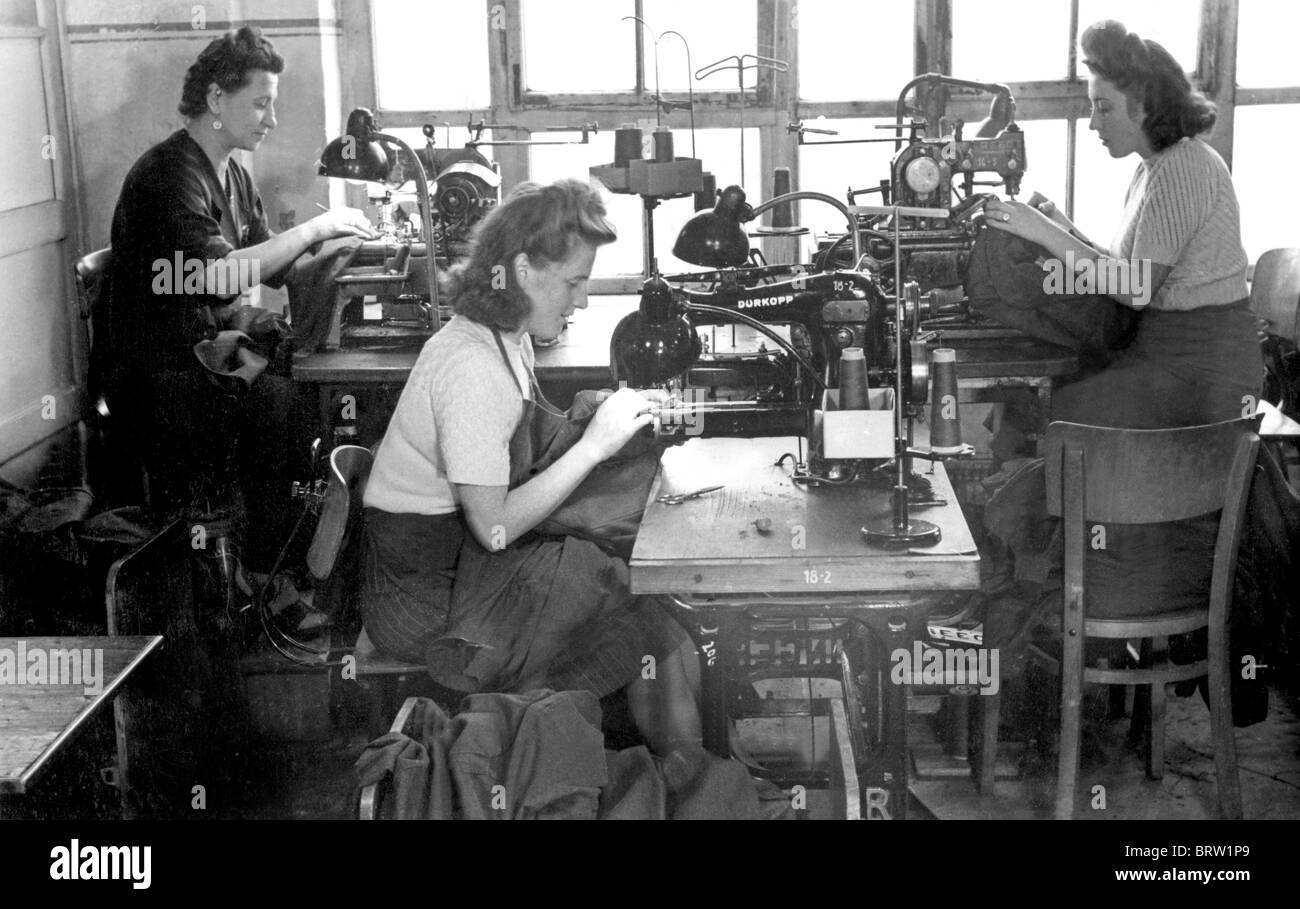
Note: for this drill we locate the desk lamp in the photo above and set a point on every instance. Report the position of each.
(360, 155)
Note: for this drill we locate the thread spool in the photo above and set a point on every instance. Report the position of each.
(627, 144)
(783, 214)
(707, 196)
(945, 419)
(663, 145)
(853, 379)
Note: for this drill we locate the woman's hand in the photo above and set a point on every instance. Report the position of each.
(1048, 207)
(619, 417)
(341, 222)
(1020, 219)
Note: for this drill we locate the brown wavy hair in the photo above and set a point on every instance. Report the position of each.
(539, 221)
(227, 61)
(1148, 74)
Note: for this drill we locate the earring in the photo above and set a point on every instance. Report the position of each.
(216, 124)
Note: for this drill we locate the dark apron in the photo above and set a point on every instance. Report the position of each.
(552, 612)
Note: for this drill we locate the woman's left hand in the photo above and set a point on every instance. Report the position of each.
(1019, 219)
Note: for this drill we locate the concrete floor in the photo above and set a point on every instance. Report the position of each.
(1268, 756)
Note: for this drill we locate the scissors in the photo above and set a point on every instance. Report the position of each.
(681, 497)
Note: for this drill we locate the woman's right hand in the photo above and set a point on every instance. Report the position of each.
(619, 417)
(341, 222)
(1048, 207)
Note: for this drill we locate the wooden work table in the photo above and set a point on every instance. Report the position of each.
(809, 562)
(37, 720)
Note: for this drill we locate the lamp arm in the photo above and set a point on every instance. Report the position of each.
(829, 200)
(761, 328)
(422, 200)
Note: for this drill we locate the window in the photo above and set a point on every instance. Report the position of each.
(991, 43)
(835, 169)
(854, 51)
(431, 55)
(851, 60)
(1267, 221)
(718, 148)
(1100, 184)
(1266, 38)
(1170, 23)
(1045, 144)
(714, 29)
(578, 46)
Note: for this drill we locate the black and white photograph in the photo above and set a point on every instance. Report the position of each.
(752, 410)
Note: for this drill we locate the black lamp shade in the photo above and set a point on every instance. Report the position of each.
(715, 239)
(655, 343)
(356, 155)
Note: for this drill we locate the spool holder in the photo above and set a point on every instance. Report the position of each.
(899, 529)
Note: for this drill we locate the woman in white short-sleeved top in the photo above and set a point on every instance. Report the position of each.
(455, 576)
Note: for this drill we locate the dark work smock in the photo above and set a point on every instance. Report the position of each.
(171, 203)
(191, 438)
(544, 612)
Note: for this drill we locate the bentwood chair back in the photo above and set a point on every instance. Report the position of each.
(1131, 476)
(1275, 293)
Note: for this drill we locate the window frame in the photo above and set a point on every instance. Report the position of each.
(775, 102)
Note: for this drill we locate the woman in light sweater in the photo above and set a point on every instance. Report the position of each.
(1196, 357)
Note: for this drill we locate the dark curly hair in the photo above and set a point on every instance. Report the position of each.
(1148, 74)
(227, 61)
(539, 221)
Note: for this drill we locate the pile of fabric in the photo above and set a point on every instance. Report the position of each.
(541, 755)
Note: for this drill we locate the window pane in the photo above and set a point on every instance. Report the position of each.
(579, 45)
(1100, 184)
(854, 51)
(718, 148)
(1014, 41)
(1044, 159)
(411, 75)
(1267, 221)
(834, 169)
(553, 162)
(717, 29)
(1266, 38)
(1170, 23)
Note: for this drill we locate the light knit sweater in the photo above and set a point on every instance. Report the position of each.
(1181, 211)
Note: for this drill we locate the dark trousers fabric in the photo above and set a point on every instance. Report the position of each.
(208, 452)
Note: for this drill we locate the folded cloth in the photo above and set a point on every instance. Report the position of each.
(1005, 282)
(313, 295)
(230, 356)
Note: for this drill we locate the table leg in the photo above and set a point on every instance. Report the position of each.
(884, 780)
(713, 631)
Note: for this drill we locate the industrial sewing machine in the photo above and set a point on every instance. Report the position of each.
(455, 189)
(884, 286)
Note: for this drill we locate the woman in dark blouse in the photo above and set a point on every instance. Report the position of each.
(189, 236)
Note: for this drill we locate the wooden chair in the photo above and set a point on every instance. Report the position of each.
(1275, 293)
(339, 519)
(371, 804)
(1125, 476)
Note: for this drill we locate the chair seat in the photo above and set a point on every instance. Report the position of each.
(1161, 624)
